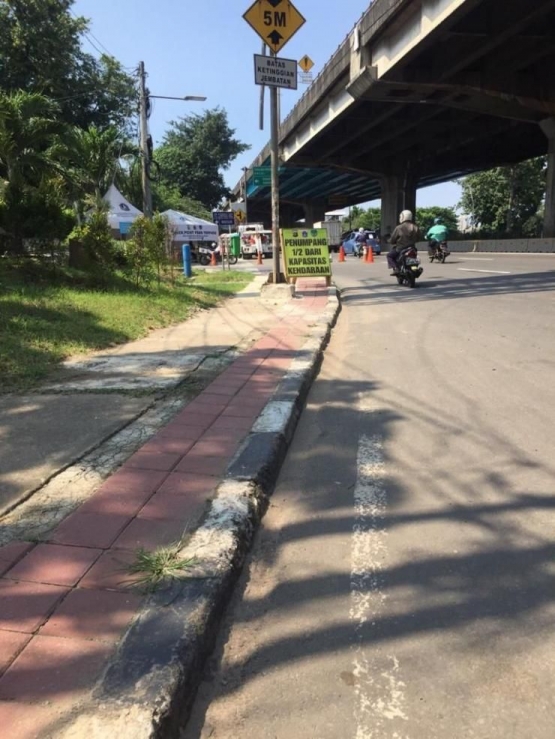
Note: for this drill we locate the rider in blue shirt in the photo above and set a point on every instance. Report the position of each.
(437, 234)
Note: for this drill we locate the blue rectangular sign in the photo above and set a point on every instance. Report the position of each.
(223, 217)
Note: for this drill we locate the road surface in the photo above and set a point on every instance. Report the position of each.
(402, 585)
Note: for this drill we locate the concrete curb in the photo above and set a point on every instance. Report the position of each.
(148, 688)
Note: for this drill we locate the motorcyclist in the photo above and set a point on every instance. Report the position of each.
(436, 235)
(405, 234)
(360, 240)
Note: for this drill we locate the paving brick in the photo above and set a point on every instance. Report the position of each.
(110, 571)
(214, 448)
(226, 390)
(55, 564)
(182, 483)
(120, 504)
(153, 461)
(249, 360)
(181, 432)
(127, 480)
(29, 721)
(147, 533)
(92, 614)
(12, 553)
(203, 465)
(53, 669)
(206, 399)
(97, 530)
(199, 415)
(179, 508)
(233, 424)
(239, 410)
(11, 644)
(187, 427)
(238, 373)
(24, 606)
(166, 445)
(251, 400)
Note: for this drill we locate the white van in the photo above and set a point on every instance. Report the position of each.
(255, 239)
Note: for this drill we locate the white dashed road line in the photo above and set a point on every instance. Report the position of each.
(379, 692)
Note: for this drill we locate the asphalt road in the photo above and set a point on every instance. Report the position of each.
(402, 585)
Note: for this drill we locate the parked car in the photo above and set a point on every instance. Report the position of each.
(351, 246)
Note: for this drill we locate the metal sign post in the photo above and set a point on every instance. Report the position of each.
(275, 21)
(274, 165)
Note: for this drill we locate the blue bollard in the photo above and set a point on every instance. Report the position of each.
(187, 269)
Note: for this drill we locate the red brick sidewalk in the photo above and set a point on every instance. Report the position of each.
(65, 604)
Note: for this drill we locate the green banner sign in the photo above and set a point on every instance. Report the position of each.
(306, 252)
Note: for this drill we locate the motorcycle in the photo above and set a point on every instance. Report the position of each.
(408, 267)
(205, 255)
(439, 251)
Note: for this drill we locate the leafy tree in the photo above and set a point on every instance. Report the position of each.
(29, 133)
(425, 218)
(370, 219)
(193, 154)
(166, 198)
(351, 221)
(40, 51)
(505, 201)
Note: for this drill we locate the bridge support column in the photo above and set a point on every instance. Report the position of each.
(314, 211)
(398, 193)
(289, 215)
(548, 127)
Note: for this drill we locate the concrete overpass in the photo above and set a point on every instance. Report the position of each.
(420, 92)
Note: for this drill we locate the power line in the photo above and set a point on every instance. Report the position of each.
(88, 34)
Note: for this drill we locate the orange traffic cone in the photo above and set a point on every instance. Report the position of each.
(213, 262)
(341, 253)
(369, 255)
(259, 258)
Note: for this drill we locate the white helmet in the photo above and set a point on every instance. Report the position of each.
(361, 230)
(406, 215)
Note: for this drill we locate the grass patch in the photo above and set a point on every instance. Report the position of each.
(159, 567)
(47, 315)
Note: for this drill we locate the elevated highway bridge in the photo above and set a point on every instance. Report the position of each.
(419, 93)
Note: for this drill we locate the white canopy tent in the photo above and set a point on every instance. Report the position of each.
(189, 228)
(121, 213)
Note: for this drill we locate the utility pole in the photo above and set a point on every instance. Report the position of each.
(145, 152)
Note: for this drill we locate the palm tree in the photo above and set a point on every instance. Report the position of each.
(93, 158)
(29, 131)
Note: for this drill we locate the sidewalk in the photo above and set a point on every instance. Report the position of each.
(91, 398)
(67, 601)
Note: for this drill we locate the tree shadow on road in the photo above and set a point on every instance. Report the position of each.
(499, 585)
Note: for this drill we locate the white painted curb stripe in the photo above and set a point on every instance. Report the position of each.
(275, 417)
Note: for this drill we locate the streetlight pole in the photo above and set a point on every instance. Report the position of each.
(144, 98)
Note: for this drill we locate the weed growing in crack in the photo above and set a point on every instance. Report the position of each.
(161, 566)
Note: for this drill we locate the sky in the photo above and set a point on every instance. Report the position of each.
(205, 47)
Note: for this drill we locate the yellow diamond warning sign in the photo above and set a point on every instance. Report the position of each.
(306, 63)
(275, 21)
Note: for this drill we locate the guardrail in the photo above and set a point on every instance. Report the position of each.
(518, 246)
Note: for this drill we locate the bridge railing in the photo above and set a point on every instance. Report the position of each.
(334, 61)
